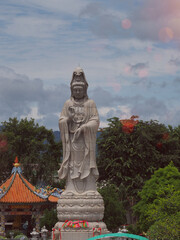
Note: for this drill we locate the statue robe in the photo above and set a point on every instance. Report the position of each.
(79, 156)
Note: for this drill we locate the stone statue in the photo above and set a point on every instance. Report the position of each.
(78, 123)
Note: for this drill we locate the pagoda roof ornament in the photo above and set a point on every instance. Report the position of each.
(16, 167)
(16, 162)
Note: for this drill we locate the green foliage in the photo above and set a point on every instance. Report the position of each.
(49, 219)
(133, 228)
(165, 215)
(130, 159)
(165, 229)
(20, 236)
(114, 215)
(35, 147)
(62, 184)
(159, 207)
(15, 233)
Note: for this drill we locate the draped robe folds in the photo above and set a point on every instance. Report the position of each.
(79, 155)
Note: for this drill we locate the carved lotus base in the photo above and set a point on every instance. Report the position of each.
(88, 206)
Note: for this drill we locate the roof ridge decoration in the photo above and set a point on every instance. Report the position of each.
(49, 191)
(39, 195)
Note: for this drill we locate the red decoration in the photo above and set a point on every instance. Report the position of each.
(16, 160)
(93, 231)
(97, 230)
(60, 237)
(76, 224)
(53, 234)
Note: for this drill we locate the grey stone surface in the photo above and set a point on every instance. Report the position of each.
(77, 235)
(88, 206)
(78, 123)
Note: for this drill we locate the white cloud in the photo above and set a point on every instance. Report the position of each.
(103, 124)
(104, 110)
(34, 113)
(157, 59)
(125, 112)
(120, 111)
(21, 96)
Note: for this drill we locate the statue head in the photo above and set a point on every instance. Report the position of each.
(79, 84)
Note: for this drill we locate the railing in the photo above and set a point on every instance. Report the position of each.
(119, 235)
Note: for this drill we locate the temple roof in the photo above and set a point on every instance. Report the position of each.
(16, 189)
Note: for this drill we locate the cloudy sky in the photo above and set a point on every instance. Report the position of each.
(129, 50)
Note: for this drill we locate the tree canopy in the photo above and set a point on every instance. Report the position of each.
(128, 153)
(49, 218)
(35, 147)
(128, 158)
(159, 205)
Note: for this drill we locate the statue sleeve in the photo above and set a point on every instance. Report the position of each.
(93, 121)
(90, 130)
(63, 126)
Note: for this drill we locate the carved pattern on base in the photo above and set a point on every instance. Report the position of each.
(81, 207)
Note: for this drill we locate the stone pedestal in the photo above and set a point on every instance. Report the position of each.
(88, 206)
(76, 235)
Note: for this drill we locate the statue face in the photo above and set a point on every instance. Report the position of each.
(78, 84)
(78, 73)
(78, 76)
(78, 92)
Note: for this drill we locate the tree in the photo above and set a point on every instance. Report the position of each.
(159, 206)
(35, 147)
(49, 219)
(114, 215)
(128, 158)
(130, 151)
(6, 167)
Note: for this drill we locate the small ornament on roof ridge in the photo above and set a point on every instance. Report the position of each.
(16, 162)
